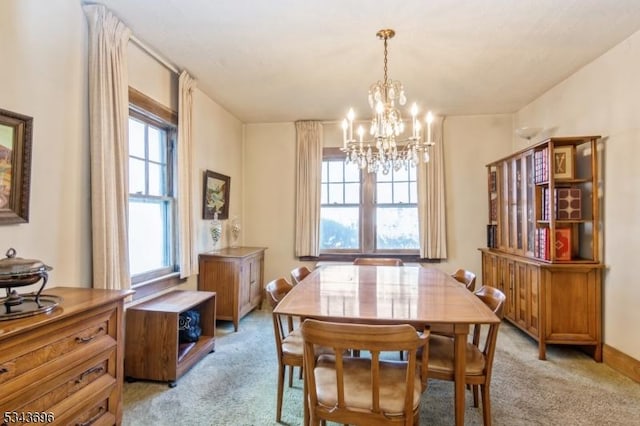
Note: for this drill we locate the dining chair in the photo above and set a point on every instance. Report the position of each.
(465, 277)
(288, 338)
(378, 261)
(468, 279)
(372, 391)
(479, 355)
(299, 273)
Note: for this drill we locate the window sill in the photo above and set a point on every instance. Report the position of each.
(156, 285)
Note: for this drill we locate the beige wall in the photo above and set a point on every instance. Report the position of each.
(269, 161)
(44, 75)
(269, 175)
(603, 98)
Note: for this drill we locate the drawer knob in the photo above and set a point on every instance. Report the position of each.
(89, 338)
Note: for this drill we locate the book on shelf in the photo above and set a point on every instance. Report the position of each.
(563, 244)
(568, 203)
(541, 246)
(492, 236)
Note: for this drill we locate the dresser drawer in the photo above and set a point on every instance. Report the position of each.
(72, 381)
(59, 353)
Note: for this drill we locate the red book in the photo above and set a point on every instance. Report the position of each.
(563, 244)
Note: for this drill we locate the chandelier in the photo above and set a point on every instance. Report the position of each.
(385, 148)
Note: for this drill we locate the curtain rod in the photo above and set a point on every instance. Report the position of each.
(154, 55)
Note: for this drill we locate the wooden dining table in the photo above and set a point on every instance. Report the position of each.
(392, 295)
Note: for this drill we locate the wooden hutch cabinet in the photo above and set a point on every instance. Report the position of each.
(543, 247)
(236, 275)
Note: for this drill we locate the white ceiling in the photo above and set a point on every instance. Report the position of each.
(286, 60)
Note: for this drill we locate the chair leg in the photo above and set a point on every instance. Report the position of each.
(475, 395)
(486, 405)
(280, 391)
(291, 375)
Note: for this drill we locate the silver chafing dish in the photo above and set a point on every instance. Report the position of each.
(18, 272)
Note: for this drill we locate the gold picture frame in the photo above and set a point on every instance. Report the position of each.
(15, 166)
(563, 167)
(215, 196)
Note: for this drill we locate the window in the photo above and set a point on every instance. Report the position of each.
(151, 197)
(367, 213)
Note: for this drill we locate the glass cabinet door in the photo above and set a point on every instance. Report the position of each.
(518, 205)
(530, 203)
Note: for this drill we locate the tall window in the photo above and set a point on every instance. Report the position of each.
(367, 213)
(151, 197)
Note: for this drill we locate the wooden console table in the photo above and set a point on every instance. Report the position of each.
(152, 347)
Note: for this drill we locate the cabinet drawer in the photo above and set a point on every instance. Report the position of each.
(90, 405)
(73, 381)
(49, 352)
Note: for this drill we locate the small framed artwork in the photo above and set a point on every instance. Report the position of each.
(15, 166)
(215, 198)
(563, 162)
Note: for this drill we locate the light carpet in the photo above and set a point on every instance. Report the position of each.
(236, 386)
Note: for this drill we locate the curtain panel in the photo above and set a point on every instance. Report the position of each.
(308, 176)
(432, 220)
(108, 127)
(187, 256)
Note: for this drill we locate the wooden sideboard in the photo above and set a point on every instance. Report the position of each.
(67, 363)
(236, 275)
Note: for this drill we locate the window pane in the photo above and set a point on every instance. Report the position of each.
(351, 173)
(401, 175)
(384, 193)
(335, 193)
(136, 138)
(352, 193)
(397, 228)
(336, 169)
(325, 175)
(413, 193)
(381, 177)
(136, 176)
(324, 194)
(339, 228)
(401, 192)
(156, 179)
(148, 236)
(156, 145)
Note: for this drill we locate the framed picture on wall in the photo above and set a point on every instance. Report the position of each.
(15, 166)
(215, 197)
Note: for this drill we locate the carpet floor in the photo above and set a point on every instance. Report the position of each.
(236, 386)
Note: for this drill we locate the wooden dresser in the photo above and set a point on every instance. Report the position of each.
(65, 365)
(236, 276)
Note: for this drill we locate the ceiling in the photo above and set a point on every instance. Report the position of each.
(287, 60)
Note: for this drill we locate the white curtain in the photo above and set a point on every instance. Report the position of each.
(432, 221)
(308, 175)
(108, 124)
(188, 258)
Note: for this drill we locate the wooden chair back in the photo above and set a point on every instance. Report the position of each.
(329, 400)
(465, 277)
(298, 274)
(288, 342)
(276, 290)
(378, 261)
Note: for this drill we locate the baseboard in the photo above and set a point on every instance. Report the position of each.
(621, 362)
